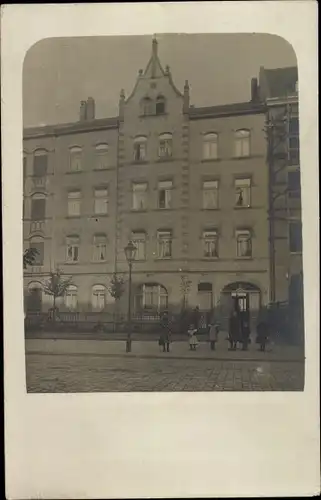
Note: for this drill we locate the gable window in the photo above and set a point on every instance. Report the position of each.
(210, 244)
(242, 193)
(139, 195)
(101, 201)
(164, 244)
(210, 146)
(40, 163)
(242, 143)
(243, 243)
(74, 203)
(165, 146)
(160, 105)
(295, 236)
(99, 248)
(210, 194)
(101, 157)
(98, 297)
(72, 250)
(38, 207)
(75, 159)
(294, 184)
(38, 244)
(140, 144)
(146, 106)
(71, 298)
(139, 240)
(165, 194)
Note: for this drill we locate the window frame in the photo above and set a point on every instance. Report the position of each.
(210, 139)
(98, 290)
(290, 238)
(240, 233)
(97, 245)
(207, 189)
(168, 190)
(101, 152)
(101, 200)
(75, 152)
(73, 245)
(242, 136)
(140, 145)
(165, 146)
(210, 236)
(244, 183)
(162, 241)
(42, 172)
(160, 100)
(144, 198)
(139, 239)
(76, 200)
(69, 293)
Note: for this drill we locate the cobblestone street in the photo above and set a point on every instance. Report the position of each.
(74, 372)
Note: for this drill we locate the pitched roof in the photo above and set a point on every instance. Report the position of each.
(281, 81)
(70, 128)
(226, 109)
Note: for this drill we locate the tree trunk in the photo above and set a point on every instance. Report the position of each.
(54, 310)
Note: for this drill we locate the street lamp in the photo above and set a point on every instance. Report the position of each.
(130, 252)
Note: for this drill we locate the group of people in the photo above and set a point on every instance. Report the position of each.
(239, 333)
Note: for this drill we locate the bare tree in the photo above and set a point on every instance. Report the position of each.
(56, 286)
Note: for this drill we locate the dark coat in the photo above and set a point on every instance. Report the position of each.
(262, 331)
(234, 328)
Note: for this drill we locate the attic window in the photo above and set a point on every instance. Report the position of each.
(146, 106)
(160, 105)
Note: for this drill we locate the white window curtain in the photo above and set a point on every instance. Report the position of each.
(242, 143)
(98, 297)
(210, 194)
(139, 196)
(101, 201)
(164, 239)
(101, 156)
(75, 159)
(71, 297)
(139, 240)
(210, 146)
(74, 203)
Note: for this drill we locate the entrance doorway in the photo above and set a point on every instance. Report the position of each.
(242, 297)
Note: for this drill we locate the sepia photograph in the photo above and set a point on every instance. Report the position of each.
(162, 223)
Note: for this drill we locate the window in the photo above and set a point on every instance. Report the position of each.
(139, 240)
(210, 194)
(244, 243)
(294, 184)
(140, 148)
(101, 156)
(210, 149)
(98, 297)
(38, 207)
(242, 143)
(210, 244)
(139, 196)
(242, 193)
(74, 203)
(164, 243)
(294, 125)
(72, 249)
(71, 297)
(151, 296)
(146, 106)
(295, 236)
(101, 201)
(205, 296)
(165, 194)
(165, 146)
(75, 159)
(160, 105)
(38, 244)
(100, 248)
(40, 163)
(294, 141)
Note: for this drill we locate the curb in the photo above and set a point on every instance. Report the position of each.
(155, 356)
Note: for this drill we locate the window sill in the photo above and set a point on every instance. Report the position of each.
(138, 210)
(98, 261)
(71, 172)
(164, 159)
(103, 169)
(244, 258)
(205, 259)
(72, 263)
(139, 162)
(153, 115)
(166, 209)
(243, 207)
(97, 216)
(210, 160)
(210, 209)
(73, 217)
(296, 253)
(162, 258)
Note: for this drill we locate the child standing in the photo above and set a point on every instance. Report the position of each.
(193, 342)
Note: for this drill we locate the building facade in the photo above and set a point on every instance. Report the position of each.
(188, 185)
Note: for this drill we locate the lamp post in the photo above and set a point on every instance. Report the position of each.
(130, 252)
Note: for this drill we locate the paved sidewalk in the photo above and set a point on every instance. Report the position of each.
(149, 349)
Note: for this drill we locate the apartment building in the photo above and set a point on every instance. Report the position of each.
(188, 185)
(279, 89)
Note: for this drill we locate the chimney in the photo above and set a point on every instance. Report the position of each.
(83, 111)
(186, 97)
(90, 115)
(254, 90)
(121, 104)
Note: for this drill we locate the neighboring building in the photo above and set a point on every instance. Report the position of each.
(278, 88)
(188, 185)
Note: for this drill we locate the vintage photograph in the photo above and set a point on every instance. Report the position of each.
(162, 214)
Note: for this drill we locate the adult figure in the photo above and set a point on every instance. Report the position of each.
(213, 335)
(234, 330)
(246, 331)
(165, 336)
(262, 331)
(196, 317)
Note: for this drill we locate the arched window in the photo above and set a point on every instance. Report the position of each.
(37, 242)
(146, 106)
(140, 147)
(40, 163)
(71, 297)
(165, 145)
(210, 146)
(34, 297)
(98, 297)
(75, 159)
(100, 247)
(160, 105)
(242, 143)
(101, 156)
(38, 207)
(152, 297)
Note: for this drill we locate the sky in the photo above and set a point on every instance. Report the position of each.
(60, 72)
